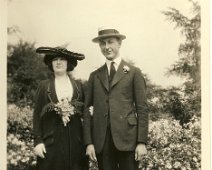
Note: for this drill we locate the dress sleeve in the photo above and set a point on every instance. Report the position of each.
(39, 103)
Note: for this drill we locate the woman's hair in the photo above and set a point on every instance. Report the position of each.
(71, 64)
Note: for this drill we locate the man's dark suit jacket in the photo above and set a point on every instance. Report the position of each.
(124, 104)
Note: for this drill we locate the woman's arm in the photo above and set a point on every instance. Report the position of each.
(39, 103)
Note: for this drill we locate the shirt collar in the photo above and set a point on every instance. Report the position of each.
(116, 61)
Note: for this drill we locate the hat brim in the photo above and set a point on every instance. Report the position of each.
(50, 53)
(97, 39)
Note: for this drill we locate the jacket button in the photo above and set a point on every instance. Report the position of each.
(105, 115)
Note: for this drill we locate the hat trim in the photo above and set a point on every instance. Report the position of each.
(96, 39)
(60, 51)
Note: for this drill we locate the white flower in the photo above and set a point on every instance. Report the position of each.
(33, 163)
(65, 110)
(126, 69)
(195, 159)
(177, 164)
(168, 166)
(91, 110)
(13, 162)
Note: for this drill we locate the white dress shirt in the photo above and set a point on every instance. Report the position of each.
(116, 61)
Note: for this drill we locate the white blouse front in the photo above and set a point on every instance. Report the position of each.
(64, 89)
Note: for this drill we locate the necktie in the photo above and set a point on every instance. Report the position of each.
(112, 71)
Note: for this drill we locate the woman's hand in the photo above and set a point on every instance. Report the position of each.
(90, 151)
(40, 150)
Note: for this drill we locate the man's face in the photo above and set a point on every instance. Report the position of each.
(110, 47)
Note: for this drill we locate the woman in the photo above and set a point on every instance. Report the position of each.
(56, 120)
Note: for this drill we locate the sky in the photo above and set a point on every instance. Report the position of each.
(152, 42)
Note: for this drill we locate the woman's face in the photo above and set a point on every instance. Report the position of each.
(59, 65)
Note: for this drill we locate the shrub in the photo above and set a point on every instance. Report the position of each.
(19, 121)
(170, 145)
(20, 154)
(173, 147)
(25, 69)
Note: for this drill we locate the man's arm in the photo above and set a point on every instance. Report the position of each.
(141, 110)
(90, 150)
(86, 115)
(141, 106)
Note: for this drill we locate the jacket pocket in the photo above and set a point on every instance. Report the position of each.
(132, 120)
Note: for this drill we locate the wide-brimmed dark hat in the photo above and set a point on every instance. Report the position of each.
(108, 32)
(52, 52)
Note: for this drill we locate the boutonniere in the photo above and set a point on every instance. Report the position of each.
(91, 110)
(126, 69)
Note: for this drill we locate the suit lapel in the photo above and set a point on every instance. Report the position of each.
(75, 88)
(103, 76)
(119, 74)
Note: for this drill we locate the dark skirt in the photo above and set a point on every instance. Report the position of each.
(66, 152)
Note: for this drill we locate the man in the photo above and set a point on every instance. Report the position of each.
(115, 133)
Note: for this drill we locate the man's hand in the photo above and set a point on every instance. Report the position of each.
(90, 151)
(140, 151)
(40, 150)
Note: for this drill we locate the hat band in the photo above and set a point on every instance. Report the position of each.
(108, 31)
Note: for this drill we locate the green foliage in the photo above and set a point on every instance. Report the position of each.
(180, 102)
(169, 147)
(177, 105)
(155, 97)
(173, 147)
(189, 51)
(25, 69)
(20, 154)
(19, 121)
(188, 65)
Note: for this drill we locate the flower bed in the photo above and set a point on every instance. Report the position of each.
(173, 147)
(170, 146)
(20, 154)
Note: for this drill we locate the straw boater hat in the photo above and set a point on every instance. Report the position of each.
(52, 52)
(108, 32)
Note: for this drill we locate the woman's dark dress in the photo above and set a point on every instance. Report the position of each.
(63, 144)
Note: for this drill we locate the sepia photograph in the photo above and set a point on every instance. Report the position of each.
(105, 85)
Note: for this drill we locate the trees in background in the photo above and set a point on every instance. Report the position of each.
(24, 71)
(188, 65)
